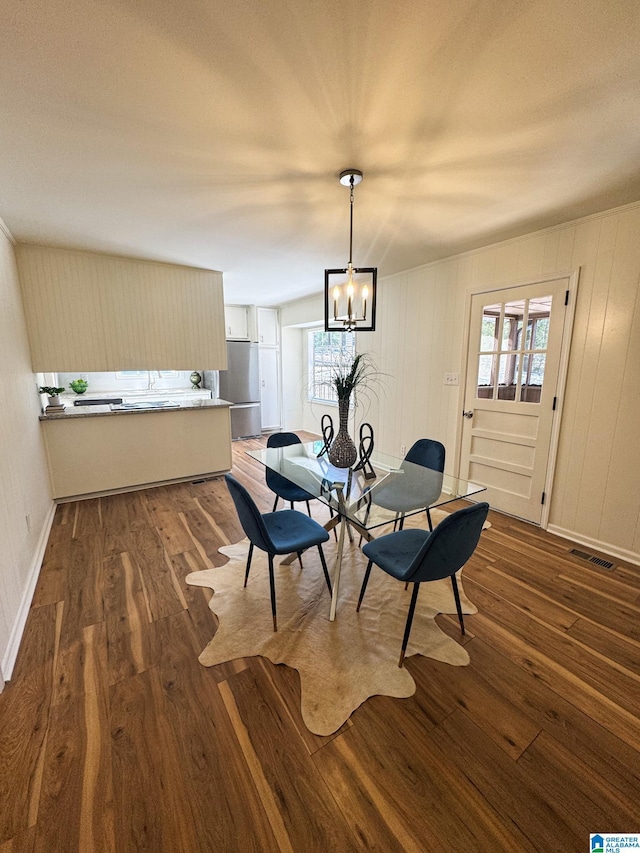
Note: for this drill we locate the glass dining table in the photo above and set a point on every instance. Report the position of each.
(388, 491)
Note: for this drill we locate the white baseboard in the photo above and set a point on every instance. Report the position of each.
(11, 653)
(596, 545)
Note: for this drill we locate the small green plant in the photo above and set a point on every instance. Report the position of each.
(79, 385)
(50, 391)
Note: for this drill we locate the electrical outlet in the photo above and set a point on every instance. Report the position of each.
(451, 379)
(403, 449)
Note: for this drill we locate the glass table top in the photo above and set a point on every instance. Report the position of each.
(399, 487)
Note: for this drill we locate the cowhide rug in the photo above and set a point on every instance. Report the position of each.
(340, 663)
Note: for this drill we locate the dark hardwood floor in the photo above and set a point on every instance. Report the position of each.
(114, 738)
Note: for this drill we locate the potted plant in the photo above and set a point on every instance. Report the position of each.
(79, 385)
(52, 393)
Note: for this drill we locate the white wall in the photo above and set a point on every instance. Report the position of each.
(24, 487)
(291, 342)
(308, 310)
(422, 317)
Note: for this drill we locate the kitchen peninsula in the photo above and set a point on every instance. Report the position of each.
(101, 448)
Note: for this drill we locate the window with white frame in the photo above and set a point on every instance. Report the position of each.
(326, 351)
(132, 374)
(144, 374)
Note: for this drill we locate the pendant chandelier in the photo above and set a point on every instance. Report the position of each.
(350, 293)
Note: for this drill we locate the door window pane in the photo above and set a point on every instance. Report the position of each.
(507, 372)
(512, 326)
(508, 377)
(486, 371)
(533, 377)
(541, 333)
(490, 325)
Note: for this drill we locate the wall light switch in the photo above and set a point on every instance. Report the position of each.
(451, 379)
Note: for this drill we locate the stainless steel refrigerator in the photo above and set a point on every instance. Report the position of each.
(240, 384)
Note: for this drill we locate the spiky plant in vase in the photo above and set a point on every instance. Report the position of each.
(349, 379)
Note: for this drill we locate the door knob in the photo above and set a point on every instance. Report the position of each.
(468, 414)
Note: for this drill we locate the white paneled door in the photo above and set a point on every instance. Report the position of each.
(512, 392)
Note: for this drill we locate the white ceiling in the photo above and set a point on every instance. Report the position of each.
(212, 133)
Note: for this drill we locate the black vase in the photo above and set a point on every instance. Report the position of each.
(343, 452)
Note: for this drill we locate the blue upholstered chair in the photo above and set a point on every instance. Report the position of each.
(282, 487)
(284, 532)
(278, 484)
(415, 556)
(412, 491)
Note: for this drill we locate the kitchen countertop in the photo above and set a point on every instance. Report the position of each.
(106, 410)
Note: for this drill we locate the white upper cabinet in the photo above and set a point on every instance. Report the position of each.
(236, 322)
(88, 312)
(268, 327)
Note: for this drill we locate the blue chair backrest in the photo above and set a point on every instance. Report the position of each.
(276, 482)
(249, 515)
(283, 439)
(428, 453)
(450, 545)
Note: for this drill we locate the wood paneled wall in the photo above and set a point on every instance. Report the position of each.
(422, 318)
(93, 312)
(25, 504)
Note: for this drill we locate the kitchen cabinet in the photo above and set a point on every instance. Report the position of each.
(118, 451)
(270, 387)
(236, 322)
(102, 313)
(268, 327)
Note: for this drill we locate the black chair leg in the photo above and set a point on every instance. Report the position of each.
(272, 584)
(324, 569)
(456, 595)
(291, 502)
(308, 509)
(401, 522)
(364, 584)
(250, 555)
(407, 627)
(299, 553)
(275, 504)
(429, 522)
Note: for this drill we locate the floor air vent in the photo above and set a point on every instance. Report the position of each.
(598, 561)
